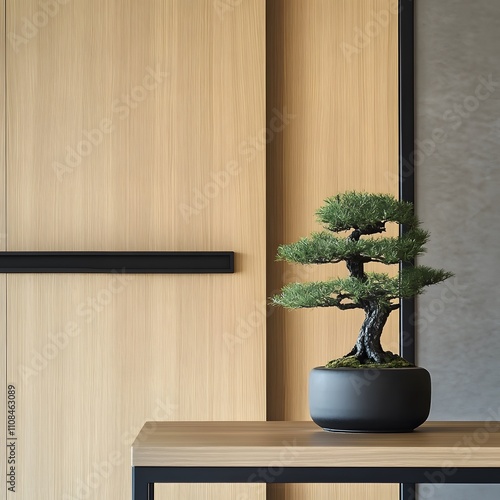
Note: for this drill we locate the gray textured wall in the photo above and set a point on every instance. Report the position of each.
(457, 180)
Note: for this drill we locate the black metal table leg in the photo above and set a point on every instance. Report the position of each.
(407, 491)
(141, 488)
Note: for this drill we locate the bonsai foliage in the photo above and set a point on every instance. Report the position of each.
(361, 215)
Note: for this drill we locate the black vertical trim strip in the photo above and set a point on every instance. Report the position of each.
(406, 153)
(406, 76)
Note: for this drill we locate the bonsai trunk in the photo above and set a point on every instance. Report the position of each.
(368, 347)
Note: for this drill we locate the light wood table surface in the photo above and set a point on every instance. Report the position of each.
(302, 452)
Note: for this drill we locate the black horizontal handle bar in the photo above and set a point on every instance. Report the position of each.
(117, 262)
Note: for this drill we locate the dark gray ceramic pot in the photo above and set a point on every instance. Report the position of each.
(369, 400)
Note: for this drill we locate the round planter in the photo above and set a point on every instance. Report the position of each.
(369, 399)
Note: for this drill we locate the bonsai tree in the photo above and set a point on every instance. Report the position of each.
(361, 215)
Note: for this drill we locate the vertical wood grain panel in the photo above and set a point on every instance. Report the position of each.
(5, 381)
(341, 90)
(3, 296)
(170, 154)
(95, 356)
(333, 491)
(130, 128)
(2, 124)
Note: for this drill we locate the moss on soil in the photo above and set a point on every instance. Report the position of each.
(353, 362)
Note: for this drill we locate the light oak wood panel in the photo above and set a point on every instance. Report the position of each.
(2, 125)
(95, 356)
(343, 136)
(329, 491)
(5, 381)
(170, 171)
(304, 444)
(170, 156)
(3, 296)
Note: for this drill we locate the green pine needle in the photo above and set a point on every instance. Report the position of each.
(350, 293)
(321, 248)
(353, 210)
(365, 214)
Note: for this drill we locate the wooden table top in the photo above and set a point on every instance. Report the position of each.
(303, 444)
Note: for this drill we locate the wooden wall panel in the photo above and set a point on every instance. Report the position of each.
(2, 124)
(169, 91)
(333, 491)
(3, 330)
(3, 389)
(340, 91)
(127, 126)
(94, 356)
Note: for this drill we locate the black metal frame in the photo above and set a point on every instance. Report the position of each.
(406, 152)
(117, 262)
(144, 478)
(406, 101)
